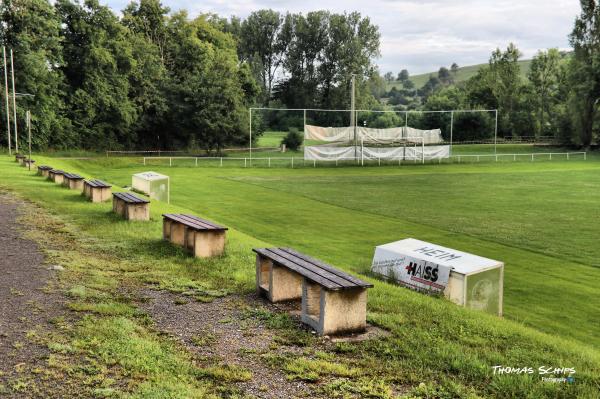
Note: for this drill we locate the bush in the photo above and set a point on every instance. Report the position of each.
(293, 140)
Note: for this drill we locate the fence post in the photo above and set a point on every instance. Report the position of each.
(567, 156)
(170, 161)
(477, 158)
(144, 161)
(379, 160)
(292, 162)
(221, 162)
(585, 156)
(532, 155)
(459, 159)
(496, 157)
(269, 162)
(515, 157)
(551, 156)
(314, 163)
(244, 162)
(336, 162)
(196, 159)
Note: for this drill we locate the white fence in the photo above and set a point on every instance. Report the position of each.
(301, 162)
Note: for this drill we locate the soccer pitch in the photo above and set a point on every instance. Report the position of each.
(539, 218)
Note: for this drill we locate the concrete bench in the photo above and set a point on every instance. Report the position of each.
(19, 158)
(56, 175)
(27, 162)
(131, 207)
(43, 170)
(73, 181)
(203, 238)
(96, 190)
(333, 302)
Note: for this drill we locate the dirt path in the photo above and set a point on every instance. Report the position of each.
(27, 306)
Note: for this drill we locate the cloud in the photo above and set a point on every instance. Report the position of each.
(424, 35)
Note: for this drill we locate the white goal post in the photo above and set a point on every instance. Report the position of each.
(354, 125)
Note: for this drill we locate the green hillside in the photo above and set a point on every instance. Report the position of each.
(463, 74)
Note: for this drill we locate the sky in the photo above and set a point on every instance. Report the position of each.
(423, 35)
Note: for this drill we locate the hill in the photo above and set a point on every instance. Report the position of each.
(462, 75)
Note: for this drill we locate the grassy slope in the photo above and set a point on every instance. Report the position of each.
(463, 74)
(452, 356)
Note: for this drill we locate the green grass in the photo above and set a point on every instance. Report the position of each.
(463, 74)
(436, 348)
(271, 139)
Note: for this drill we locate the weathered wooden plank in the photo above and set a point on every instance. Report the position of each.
(342, 282)
(303, 271)
(329, 268)
(194, 222)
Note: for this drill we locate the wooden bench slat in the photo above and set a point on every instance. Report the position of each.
(194, 222)
(342, 282)
(45, 167)
(329, 268)
(131, 198)
(57, 172)
(72, 176)
(303, 271)
(97, 183)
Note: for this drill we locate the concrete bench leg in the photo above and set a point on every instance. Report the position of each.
(98, 194)
(276, 282)
(137, 212)
(75, 185)
(334, 312)
(58, 179)
(208, 243)
(177, 233)
(166, 230)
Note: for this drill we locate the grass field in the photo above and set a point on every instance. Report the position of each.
(539, 218)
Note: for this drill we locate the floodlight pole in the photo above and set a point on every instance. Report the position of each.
(7, 103)
(12, 72)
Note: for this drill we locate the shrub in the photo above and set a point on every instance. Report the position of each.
(293, 140)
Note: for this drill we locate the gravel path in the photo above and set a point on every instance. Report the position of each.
(27, 304)
(218, 333)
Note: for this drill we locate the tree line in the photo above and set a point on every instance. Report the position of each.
(152, 78)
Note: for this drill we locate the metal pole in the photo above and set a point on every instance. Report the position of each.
(405, 119)
(29, 135)
(12, 71)
(353, 116)
(304, 123)
(451, 130)
(496, 134)
(7, 103)
(250, 110)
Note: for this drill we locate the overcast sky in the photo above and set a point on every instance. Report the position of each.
(423, 35)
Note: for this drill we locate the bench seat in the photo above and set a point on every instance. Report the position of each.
(73, 181)
(56, 175)
(201, 237)
(43, 170)
(19, 158)
(333, 301)
(96, 190)
(27, 162)
(131, 207)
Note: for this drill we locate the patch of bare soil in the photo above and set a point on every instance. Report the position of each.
(28, 304)
(220, 332)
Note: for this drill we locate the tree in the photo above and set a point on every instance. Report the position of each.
(98, 61)
(389, 77)
(544, 77)
(444, 75)
(264, 43)
(403, 75)
(454, 68)
(148, 17)
(32, 30)
(585, 69)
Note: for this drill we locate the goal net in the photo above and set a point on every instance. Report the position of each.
(362, 143)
